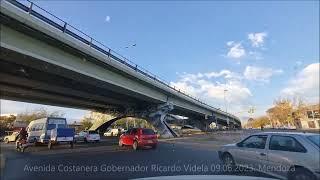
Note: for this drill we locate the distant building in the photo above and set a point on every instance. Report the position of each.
(310, 118)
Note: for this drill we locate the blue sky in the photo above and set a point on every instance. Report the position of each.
(256, 50)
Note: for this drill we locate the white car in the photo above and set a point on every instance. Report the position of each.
(88, 136)
(11, 137)
(285, 155)
(113, 132)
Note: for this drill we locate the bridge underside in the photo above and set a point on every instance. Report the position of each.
(38, 68)
(25, 79)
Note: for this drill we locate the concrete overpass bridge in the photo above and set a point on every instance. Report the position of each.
(46, 60)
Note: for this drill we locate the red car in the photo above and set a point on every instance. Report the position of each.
(138, 138)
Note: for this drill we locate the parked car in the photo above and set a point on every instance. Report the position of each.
(113, 132)
(11, 137)
(39, 130)
(290, 127)
(285, 155)
(87, 136)
(139, 138)
(80, 137)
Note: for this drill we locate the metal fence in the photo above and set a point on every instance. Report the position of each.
(40, 13)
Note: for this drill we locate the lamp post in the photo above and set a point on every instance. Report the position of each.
(225, 102)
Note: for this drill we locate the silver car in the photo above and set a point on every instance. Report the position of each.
(285, 155)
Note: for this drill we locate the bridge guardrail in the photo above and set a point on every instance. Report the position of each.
(42, 14)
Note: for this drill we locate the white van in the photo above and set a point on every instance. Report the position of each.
(40, 130)
(113, 132)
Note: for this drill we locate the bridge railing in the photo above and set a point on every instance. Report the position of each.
(42, 14)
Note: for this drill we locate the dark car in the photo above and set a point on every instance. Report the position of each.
(139, 138)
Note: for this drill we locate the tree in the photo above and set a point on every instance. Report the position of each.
(98, 119)
(121, 123)
(299, 109)
(281, 112)
(29, 116)
(129, 122)
(5, 122)
(260, 121)
(86, 123)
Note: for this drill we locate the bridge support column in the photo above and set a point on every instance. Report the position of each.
(157, 118)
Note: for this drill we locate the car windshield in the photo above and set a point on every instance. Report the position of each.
(147, 131)
(51, 126)
(126, 89)
(61, 125)
(315, 139)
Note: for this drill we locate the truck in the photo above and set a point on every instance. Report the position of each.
(39, 131)
(61, 135)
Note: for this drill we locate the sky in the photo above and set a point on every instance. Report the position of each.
(257, 51)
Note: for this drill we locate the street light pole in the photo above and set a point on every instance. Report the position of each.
(225, 102)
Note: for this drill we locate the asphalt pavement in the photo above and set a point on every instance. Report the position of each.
(105, 160)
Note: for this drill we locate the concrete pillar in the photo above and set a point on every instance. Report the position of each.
(157, 118)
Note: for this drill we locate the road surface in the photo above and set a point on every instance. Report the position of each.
(106, 160)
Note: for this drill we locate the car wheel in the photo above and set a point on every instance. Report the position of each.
(35, 143)
(228, 161)
(120, 143)
(301, 174)
(6, 140)
(135, 145)
(50, 145)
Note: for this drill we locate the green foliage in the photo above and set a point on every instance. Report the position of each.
(281, 111)
(5, 122)
(260, 122)
(95, 119)
(86, 123)
(130, 122)
(27, 116)
(98, 119)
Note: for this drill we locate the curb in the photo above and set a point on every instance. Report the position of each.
(78, 150)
